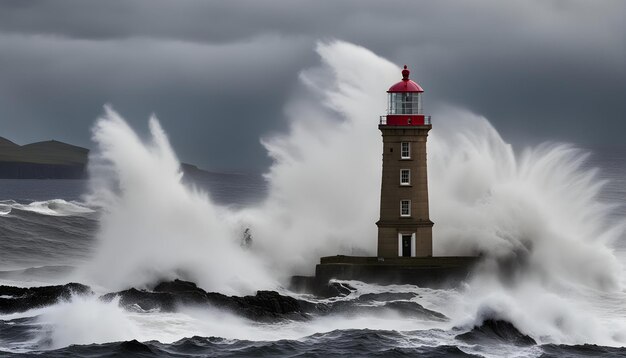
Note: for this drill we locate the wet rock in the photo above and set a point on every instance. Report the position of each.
(184, 292)
(334, 289)
(327, 289)
(20, 299)
(387, 296)
(269, 305)
(178, 286)
(145, 300)
(413, 309)
(168, 296)
(264, 306)
(498, 330)
(134, 347)
(402, 308)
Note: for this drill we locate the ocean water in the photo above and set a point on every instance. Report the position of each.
(51, 219)
(548, 219)
(46, 231)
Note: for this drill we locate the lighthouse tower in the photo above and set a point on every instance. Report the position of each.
(404, 228)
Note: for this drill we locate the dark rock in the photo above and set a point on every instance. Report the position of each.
(496, 330)
(333, 289)
(186, 293)
(168, 296)
(341, 289)
(21, 299)
(317, 308)
(178, 286)
(328, 289)
(403, 308)
(387, 296)
(270, 303)
(264, 306)
(134, 347)
(145, 300)
(414, 309)
(370, 303)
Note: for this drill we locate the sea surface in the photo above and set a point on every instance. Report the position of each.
(47, 229)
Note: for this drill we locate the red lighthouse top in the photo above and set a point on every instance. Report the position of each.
(404, 104)
(406, 85)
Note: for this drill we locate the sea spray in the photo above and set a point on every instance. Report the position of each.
(537, 221)
(324, 183)
(85, 320)
(540, 209)
(54, 207)
(535, 217)
(155, 228)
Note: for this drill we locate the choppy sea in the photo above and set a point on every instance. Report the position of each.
(46, 230)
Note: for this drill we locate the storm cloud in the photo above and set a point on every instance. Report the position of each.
(219, 73)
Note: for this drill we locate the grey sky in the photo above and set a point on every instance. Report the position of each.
(539, 70)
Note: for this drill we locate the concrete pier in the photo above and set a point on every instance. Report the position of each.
(433, 272)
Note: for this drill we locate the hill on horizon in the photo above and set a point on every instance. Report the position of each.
(56, 160)
(46, 152)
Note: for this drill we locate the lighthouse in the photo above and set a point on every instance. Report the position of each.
(405, 239)
(404, 227)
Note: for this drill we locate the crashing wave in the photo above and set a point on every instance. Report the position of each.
(54, 207)
(5, 209)
(536, 216)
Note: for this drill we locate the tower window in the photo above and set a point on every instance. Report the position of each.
(405, 150)
(405, 177)
(405, 207)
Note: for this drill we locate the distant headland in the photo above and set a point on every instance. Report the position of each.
(42, 160)
(51, 160)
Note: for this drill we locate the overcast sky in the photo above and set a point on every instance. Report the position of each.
(218, 73)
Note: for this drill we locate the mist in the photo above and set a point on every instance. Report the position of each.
(535, 216)
(153, 227)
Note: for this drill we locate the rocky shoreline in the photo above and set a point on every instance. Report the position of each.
(264, 306)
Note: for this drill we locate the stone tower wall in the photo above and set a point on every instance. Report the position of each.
(391, 223)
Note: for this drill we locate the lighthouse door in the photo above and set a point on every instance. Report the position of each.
(406, 245)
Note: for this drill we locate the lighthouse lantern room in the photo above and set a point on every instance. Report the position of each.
(404, 103)
(404, 228)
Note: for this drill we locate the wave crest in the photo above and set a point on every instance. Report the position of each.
(54, 207)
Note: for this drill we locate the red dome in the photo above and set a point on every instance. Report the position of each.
(406, 85)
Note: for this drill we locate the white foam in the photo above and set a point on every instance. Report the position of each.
(5, 209)
(86, 320)
(54, 207)
(538, 210)
(153, 227)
